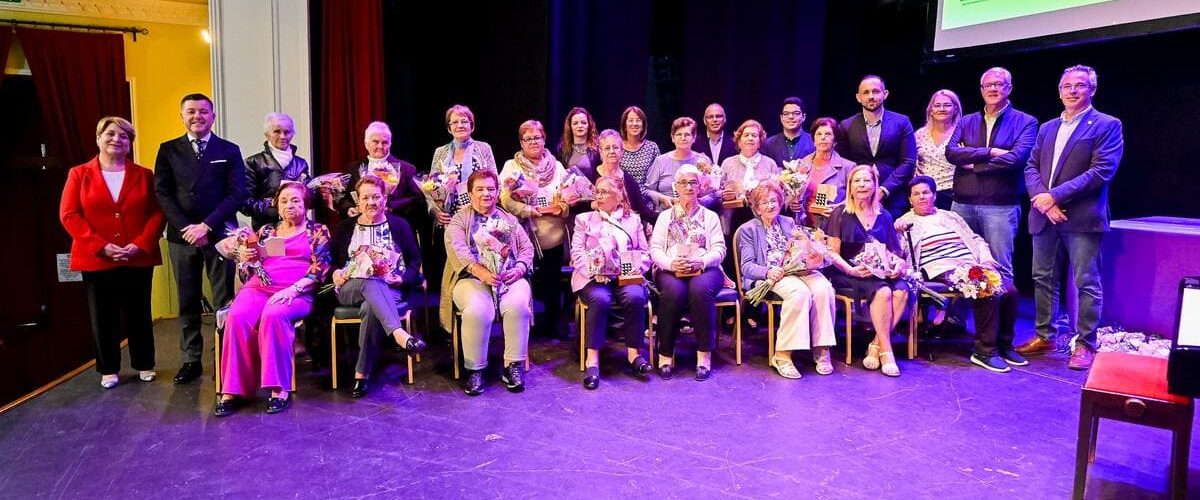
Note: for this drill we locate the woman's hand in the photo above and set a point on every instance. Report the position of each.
(775, 273)
(600, 278)
(509, 276)
(393, 279)
(795, 206)
(903, 224)
(339, 278)
(247, 253)
(131, 250)
(443, 218)
(353, 212)
(859, 271)
(899, 269)
(114, 252)
(483, 274)
(285, 296)
(728, 194)
(822, 211)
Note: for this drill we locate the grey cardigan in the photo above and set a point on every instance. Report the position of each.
(752, 248)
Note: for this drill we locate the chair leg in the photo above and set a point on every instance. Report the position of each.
(1083, 447)
(737, 331)
(411, 380)
(580, 310)
(333, 360)
(914, 330)
(651, 338)
(408, 326)
(293, 373)
(770, 333)
(217, 361)
(1095, 431)
(454, 345)
(849, 333)
(1182, 438)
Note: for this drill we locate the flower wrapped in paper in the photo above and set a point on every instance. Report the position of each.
(976, 282)
(710, 178)
(518, 188)
(369, 261)
(575, 188)
(805, 253)
(246, 238)
(439, 189)
(332, 186)
(794, 180)
(882, 263)
(494, 242)
(387, 172)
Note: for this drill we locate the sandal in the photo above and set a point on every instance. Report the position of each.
(889, 366)
(785, 368)
(871, 361)
(824, 364)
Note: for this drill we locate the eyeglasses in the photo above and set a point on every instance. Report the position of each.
(943, 105)
(681, 135)
(994, 85)
(770, 202)
(610, 147)
(533, 140)
(691, 183)
(461, 122)
(605, 192)
(714, 117)
(792, 113)
(1067, 87)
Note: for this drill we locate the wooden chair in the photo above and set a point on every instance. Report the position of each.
(1132, 388)
(217, 338)
(772, 301)
(918, 314)
(348, 315)
(455, 339)
(581, 310)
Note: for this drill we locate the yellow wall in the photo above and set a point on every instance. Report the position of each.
(162, 67)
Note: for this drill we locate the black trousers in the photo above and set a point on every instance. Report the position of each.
(995, 318)
(189, 263)
(119, 303)
(548, 288)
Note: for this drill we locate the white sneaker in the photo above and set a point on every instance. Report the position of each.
(147, 375)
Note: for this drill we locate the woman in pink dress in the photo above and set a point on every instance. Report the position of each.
(259, 330)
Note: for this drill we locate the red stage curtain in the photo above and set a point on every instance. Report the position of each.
(79, 77)
(351, 84)
(6, 37)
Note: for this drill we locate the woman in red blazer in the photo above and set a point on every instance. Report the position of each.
(110, 210)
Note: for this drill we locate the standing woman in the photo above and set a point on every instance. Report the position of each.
(578, 148)
(639, 152)
(660, 179)
(859, 221)
(547, 216)
(110, 210)
(462, 156)
(687, 248)
(748, 168)
(941, 118)
(824, 166)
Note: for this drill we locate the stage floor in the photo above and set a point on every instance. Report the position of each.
(944, 429)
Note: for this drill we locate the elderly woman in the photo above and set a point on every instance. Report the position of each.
(824, 167)
(404, 198)
(942, 242)
(277, 162)
(744, 171)
(109, 208)
(578, 147)
(540, 203)
(603, 240)
(386, 244)
(660, 178)
(486, 266)
(851, 226)
(941, 118)
(639, 152)
(259, 331)
(807, 316)
(687, 248)
(611, 155)
(462, 157)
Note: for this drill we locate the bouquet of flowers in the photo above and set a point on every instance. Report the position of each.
(387, 172)
(439, 188)
(575, 187)
(794, 180)
(333, 184)
(881, 262)
(805, 253)
(710, 178)
(1116, 339)
(519, 188)
(369, 261)
(493, 241)
(976, 282)
(685, 238)
(602, 256)
(247, 238)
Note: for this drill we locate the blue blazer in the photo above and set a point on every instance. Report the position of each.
(775, 147)
(993, 181)
(1080, 183)
(896, 156)
(209, 189)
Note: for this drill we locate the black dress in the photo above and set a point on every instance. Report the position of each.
(853, 235)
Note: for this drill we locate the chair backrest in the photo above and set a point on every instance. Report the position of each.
(737, 263)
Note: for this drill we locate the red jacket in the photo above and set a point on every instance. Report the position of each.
(90, 216)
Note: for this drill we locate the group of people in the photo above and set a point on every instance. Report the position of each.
(625, 218)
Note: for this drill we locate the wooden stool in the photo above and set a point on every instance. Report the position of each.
(1132, 388)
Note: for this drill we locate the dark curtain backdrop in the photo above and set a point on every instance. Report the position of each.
(79, 77)
(350, 86)
(6, 38)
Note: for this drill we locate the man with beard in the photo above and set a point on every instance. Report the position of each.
(793, 143)
(881, 138)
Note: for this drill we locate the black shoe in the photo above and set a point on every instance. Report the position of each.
(702, 373)
(666, 372)
(1013, 358)
(276, 405)
(226, 408)
(188, 372)
(641, 368)
(414, 346)
(360, 388)
(473, 384)
(592, 380)
(991, 363)
(514, 376)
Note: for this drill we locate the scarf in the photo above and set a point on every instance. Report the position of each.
(542, 173)
(282, 157)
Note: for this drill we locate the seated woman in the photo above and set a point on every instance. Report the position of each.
(488, 259)
(942, 242)
(375, 255)
(806, 318)
(259, 330)
(600, 239)
(851, 226)
(687, 248)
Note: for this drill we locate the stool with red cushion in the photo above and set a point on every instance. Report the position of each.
(1132, 388)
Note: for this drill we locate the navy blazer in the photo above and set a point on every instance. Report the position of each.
(775, 147)
(191, 190)
(728, 148)
(896, 156)
(992, 181)
(1087, 165)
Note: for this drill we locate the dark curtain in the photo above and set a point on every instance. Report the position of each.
(6, 38)
(351, 90)
(80, 77)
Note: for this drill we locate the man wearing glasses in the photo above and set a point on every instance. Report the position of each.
(989, 149)
(1073, 161)
(719, 145)
(793, 143)
(881, 138)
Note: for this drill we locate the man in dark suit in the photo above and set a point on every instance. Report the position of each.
(200, 180)
(881, 138)
(989, 149)
(719, 145)
(1073, 161)
(793, 143)
(405, 198)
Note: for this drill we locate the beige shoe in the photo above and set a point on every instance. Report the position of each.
(871, 361)
(785, 368)
(822, 358)
(889, 367)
